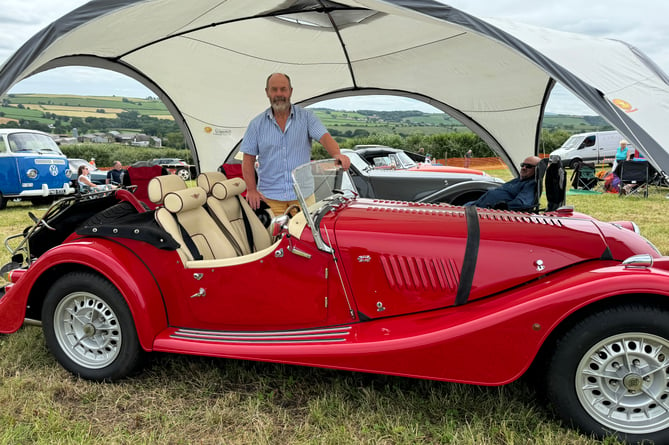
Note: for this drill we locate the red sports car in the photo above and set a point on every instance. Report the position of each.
(410, 289)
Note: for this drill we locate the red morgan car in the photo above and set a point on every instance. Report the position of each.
(409, 289)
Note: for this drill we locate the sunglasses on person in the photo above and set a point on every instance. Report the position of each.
(526, 165)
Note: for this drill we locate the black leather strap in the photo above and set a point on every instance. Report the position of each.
(471, 256)
(189, 243)
(247, 225)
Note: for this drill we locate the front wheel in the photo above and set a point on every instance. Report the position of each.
(89, 328)
(609, 374)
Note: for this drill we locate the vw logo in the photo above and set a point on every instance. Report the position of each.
(53, 169)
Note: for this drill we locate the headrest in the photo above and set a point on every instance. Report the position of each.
(207, 180)
(162, 185)
(228, 188)
(184, 200)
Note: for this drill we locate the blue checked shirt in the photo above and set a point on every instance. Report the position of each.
(280, 152)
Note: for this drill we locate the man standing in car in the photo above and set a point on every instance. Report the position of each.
(281, 137)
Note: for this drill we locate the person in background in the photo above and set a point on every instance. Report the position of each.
(468, 158)
(281, 137)
(85, 183)
(92, 162)
(518, 194)
(622, 154)
(114, 176)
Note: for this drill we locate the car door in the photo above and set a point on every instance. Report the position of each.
(277, 291)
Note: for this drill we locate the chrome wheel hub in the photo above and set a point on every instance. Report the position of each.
(623, 383)
(87, 330)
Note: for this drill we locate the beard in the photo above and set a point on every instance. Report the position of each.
(280, 103)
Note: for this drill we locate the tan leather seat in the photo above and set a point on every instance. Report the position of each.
(160, 186)
(232, 210)
(184, 217)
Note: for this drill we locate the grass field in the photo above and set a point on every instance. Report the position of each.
(181, 399)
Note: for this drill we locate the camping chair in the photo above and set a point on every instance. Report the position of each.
(583, 177)
(552, 178)
(633, 178)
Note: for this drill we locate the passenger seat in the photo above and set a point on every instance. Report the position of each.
(231, 209)
(184, 217)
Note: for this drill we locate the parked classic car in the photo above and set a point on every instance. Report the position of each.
(176, 167)
(377, 176)
(430, 291)
(97, 176)
(381, 156)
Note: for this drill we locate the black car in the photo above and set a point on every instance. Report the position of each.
(176, 166)
(377, 173)
(97, 176)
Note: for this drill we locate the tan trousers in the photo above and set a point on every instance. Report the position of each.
(280, 207)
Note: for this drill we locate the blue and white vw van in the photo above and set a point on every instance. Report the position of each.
(32, 167)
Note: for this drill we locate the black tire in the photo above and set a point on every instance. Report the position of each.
(88, 327)
(574, 163)
(3, 202)
(609, 374)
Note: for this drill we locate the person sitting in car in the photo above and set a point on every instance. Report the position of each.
(518, 194)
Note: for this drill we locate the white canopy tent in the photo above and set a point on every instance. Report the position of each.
(208, 61)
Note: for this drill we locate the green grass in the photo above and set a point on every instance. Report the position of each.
(183, 399)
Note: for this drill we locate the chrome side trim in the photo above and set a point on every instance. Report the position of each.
(325, 335)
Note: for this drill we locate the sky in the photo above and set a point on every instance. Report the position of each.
(641, 23)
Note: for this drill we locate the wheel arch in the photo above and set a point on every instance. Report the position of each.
(549, 344)
(133, 280)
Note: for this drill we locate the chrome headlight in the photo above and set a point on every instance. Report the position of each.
(32, 173)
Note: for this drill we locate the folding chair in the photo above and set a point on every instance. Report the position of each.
(551, 177)
(634, 178)
(584, 177)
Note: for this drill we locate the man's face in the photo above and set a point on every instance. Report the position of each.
(279, 91)
(527, 169)
(117, 166)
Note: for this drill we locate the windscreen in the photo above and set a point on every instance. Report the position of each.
(32, 143)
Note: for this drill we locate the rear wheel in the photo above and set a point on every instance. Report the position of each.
(184, 173)
(89, 328)
(610, 374)
(3, 202)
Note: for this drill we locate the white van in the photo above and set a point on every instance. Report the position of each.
(598, 146)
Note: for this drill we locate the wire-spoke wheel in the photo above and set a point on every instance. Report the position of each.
(88, 327)
(610, 374)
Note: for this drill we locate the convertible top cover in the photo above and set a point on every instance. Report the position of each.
(208, 61)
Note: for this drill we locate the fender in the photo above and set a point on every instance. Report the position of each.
(115, 261)
(491, 341)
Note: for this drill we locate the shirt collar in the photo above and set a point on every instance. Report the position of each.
(270, 114)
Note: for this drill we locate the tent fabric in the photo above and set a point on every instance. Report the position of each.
(208, 62)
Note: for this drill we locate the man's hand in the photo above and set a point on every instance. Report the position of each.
(254, 197)
(343, 160)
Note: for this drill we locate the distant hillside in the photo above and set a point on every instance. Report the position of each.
(64, 112)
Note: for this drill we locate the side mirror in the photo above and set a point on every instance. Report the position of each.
(280, 225)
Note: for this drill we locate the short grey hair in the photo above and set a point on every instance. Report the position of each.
(283, 74)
